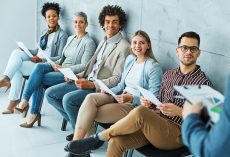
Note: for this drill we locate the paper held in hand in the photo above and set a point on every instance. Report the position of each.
(67, 72)
(24, 48)
(211, 98)
(149, 95)
(104, 87)
(42, 53)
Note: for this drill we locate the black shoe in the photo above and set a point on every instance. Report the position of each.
(69, 137)
(84, 145)
(78, 155)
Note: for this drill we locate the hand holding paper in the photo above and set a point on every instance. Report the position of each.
(149, 95)
(68, 73)
(24, 48)
(104, 87)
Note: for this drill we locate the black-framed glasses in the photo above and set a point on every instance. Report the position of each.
(193, 49)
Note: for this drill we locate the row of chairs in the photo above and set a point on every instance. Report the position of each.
(149, 150)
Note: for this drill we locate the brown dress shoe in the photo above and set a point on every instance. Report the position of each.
(11, 106)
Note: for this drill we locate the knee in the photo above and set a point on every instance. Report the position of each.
(90, 99)
(49, 93)
(139, 111)
(16, 52)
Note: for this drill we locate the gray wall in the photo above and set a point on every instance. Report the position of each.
(165, 21)
(18, 22)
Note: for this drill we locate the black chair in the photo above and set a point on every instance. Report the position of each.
(23, 86)
(151, 151)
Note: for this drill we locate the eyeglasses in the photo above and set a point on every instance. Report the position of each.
(192, 49)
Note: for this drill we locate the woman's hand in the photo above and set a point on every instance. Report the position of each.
(56, 66)
(170, 109)
(68, 80)
(189, 109)
(146, 103)
(36, 59)
(124, 98)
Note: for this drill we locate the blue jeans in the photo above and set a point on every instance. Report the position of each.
(41, 76)
(67, 99)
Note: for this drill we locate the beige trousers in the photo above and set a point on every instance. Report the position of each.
(101, 108)
(141, 127)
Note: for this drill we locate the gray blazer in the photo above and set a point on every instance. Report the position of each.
(84, 53)
(150, 77)
(111, 68)
(58, 44)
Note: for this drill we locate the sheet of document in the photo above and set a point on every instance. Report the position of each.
(149, 95)
(67, 72)
(42, 53)
(24, 48)
(104, 87)
(211, 98)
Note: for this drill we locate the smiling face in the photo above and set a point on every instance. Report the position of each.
(80, 24)
(111, 25)
(188, 58)
(51, 18)
(139, 45)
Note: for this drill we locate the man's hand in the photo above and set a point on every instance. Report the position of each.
(146, 102)
(189, 109)
(170, 109)
(84, 84)
(56, 66)
(36, 59)
(123, 98)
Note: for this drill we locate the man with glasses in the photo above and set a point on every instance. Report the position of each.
(161, 126)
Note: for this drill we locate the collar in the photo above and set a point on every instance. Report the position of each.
(178, 71)
(113, 39)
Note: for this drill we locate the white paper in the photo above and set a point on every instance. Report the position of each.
(67, 72)
(104, 87)
(42, 53)
(149, 95)
(24, 48)
(205, 94)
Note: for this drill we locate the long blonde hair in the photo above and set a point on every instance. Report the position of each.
(149, 52)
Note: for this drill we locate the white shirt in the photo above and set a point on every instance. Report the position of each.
(106, 45)
(133, 79)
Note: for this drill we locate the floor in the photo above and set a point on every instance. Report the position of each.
(45, 141)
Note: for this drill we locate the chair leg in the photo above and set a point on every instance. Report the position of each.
(23, 86)
(64, 123)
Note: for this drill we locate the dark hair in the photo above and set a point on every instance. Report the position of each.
(112, 10)
(190, 35)
(149, 52)
(50, 6)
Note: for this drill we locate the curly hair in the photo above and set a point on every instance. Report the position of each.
(112, 10)
(50, 6)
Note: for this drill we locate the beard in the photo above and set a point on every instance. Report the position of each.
(188, 63)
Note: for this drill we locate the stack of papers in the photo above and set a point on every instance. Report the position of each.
(104, 87)
(24, 48)
(211, 98)
(67, 72)
(149, 96)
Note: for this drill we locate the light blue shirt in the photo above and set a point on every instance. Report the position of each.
(150, 78)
